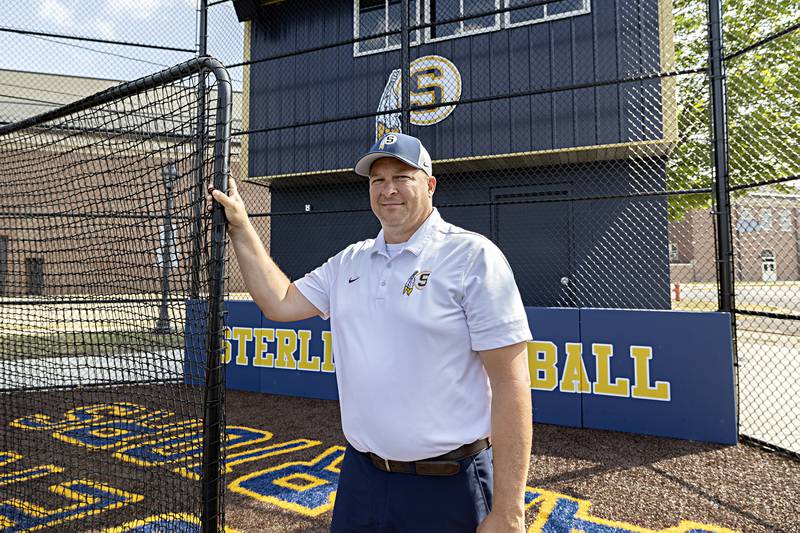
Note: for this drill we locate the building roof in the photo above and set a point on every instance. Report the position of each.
(248, 9)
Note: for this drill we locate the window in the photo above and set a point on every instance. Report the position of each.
(373, 17)
(786, 220)
(673, 253)
(746, 222)
(555, 10)
(442, 10)
(766, 219)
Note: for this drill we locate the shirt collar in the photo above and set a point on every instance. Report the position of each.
(417, 240)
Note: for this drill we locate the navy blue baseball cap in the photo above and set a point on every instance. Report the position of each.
(406, 148)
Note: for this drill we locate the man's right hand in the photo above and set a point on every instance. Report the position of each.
(235, 211)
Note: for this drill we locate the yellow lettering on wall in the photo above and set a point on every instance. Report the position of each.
(307, 362)
(542, 359)
(286, 339)
(603, 384)
(327, 358)
(243, 336)
(262, 357)
(574, 378)
(226, 345)
(641, 356)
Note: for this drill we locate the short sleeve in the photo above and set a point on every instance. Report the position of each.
(492, 303)
(316, 286)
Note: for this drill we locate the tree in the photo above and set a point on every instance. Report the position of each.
(763, 98)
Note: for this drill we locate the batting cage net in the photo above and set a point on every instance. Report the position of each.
(111, 314)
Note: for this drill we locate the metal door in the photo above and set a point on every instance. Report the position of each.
(533, 226)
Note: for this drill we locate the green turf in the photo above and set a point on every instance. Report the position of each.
(16, 346)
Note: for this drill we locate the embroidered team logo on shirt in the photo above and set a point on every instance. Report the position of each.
(417, 280)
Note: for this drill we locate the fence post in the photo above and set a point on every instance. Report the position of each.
(405, 66)
(199, 193)
(213, 412)
(720, 156)
(212, 409)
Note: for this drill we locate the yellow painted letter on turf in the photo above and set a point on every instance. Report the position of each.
(327, 358)
(305, 487)
(603, 385)
(287, 344)
(641, 356)
(242, 336)
(574, 378)
(542, 359)
(88, 498)
(262, 357)
(7, 477)
(307, 362)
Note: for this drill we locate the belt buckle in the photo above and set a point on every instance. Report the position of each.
(386, 462)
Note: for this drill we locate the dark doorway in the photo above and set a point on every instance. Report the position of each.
(533, 226)
(34, 274)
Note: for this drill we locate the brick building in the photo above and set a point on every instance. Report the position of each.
(100, 227)
(765, 236)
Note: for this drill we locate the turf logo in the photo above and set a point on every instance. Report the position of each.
(185, 523)
(305, 487)
(87, 498)
(144, 437)
(556, 512)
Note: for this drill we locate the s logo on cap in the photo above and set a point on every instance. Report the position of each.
(388, 139)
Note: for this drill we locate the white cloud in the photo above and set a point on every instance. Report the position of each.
(55, 11)
(103, 29)
(139, 9)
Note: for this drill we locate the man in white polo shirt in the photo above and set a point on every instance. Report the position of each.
(429, 336)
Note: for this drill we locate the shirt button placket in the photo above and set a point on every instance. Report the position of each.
(381, 297)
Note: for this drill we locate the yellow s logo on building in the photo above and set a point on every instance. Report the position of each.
(434, 80)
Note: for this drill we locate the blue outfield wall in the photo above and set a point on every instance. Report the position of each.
(662, 373)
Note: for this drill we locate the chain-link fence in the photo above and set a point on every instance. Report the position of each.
(763, 68)
(636, 154)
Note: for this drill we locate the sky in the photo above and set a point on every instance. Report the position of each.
(161, 22)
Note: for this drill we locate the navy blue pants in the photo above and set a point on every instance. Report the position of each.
(371, 500)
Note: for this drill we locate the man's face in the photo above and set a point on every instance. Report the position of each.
(401, 196)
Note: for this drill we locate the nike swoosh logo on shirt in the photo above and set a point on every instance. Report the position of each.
(351, 280)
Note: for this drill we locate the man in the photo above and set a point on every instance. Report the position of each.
(429, 337)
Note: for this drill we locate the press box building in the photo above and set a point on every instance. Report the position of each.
(540, 147)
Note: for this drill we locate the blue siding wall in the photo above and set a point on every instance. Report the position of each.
(612, 248)
(618, 38)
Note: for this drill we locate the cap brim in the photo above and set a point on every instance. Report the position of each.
(365, 163)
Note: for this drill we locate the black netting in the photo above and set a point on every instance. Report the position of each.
(108, 290)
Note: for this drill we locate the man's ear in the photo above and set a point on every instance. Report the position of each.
(431, 185)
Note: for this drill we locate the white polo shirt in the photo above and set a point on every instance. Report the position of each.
(405, 335)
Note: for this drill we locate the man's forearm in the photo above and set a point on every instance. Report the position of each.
(265, 282)
(511, 443)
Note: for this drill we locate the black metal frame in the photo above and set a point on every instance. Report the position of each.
(214, 385)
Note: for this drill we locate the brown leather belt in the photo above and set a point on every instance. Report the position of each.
(443, 465)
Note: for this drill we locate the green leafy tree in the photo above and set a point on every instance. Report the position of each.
(763, 98)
